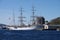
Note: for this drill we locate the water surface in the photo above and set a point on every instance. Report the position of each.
(29, 35)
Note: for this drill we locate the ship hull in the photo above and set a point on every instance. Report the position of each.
(22, 28)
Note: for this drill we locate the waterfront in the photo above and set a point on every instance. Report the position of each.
(29, 35)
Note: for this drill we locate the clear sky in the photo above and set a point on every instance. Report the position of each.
(47, 8)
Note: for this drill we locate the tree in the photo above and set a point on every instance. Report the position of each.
(55, 21)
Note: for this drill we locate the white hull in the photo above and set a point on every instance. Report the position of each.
(22, 28)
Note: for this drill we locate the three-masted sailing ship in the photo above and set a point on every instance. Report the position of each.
(22, 25)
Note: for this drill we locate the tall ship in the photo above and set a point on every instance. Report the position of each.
(22, 26)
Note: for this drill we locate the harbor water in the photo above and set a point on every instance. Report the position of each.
(29, 35)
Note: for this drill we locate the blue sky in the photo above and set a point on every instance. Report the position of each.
(49, 9)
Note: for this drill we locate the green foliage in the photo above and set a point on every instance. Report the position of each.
(55, 21)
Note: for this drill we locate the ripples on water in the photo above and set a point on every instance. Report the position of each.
(29, 35)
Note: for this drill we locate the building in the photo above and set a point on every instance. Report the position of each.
(40, 20)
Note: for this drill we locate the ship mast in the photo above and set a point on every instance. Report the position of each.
(21, 18)
(33, 15)
(13, 18)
